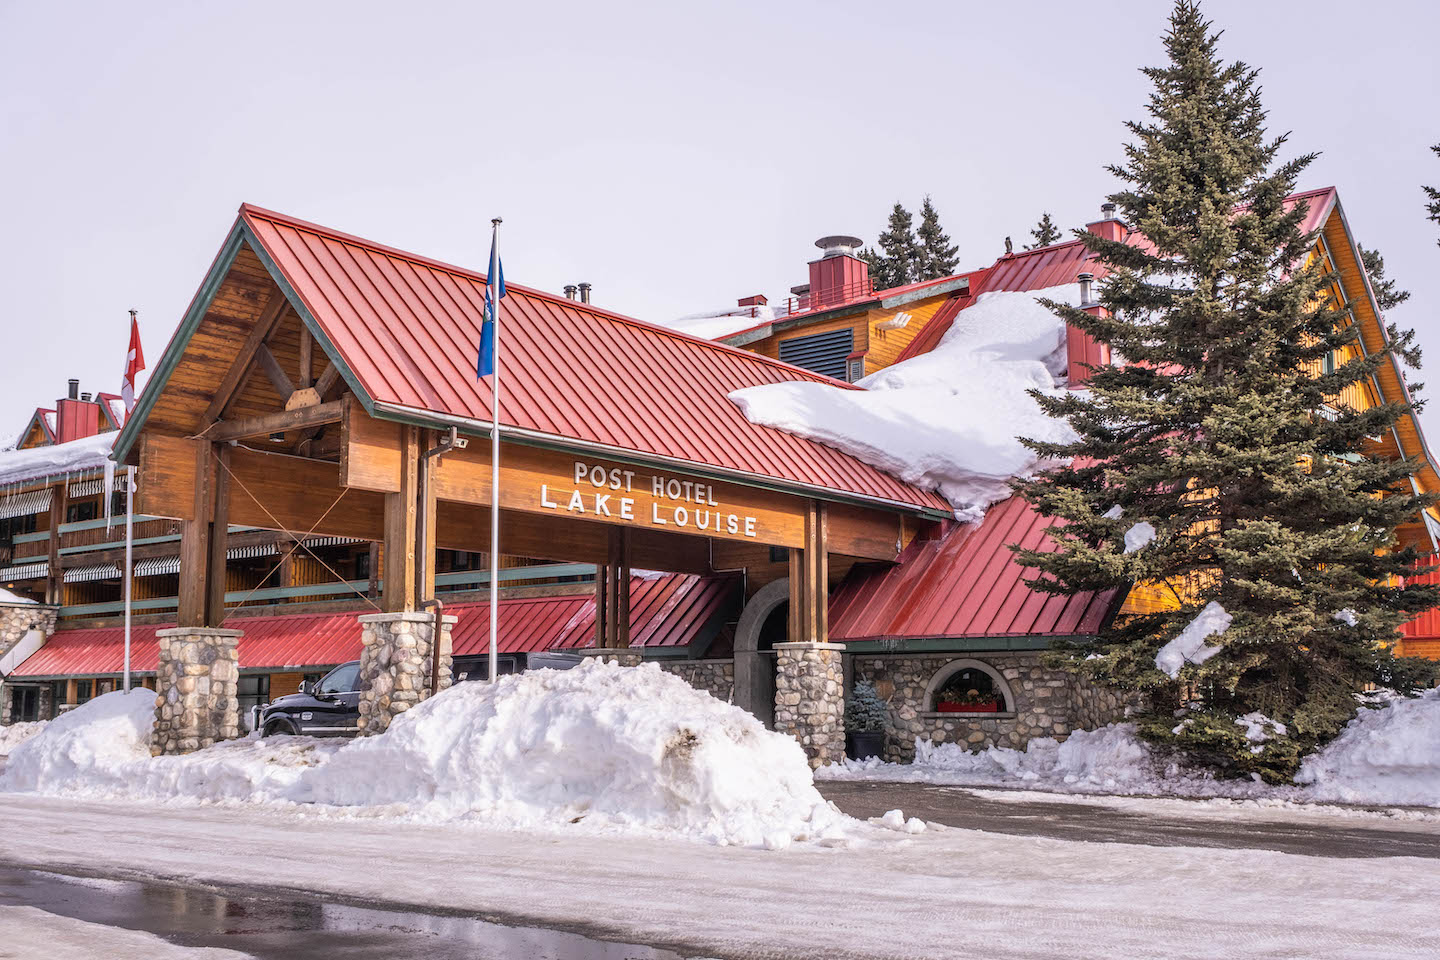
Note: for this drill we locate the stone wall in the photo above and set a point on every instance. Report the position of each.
(195, 702)
(1045, 702)
(810, 698)
(16, 619)
(715, 677)
(395, 665)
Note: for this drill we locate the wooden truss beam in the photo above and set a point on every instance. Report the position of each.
(283, 421)
(234, 378)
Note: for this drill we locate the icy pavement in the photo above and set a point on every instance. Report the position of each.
(1021, 897)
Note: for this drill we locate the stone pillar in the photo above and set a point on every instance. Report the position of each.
(395, 664)
(45, 702)
(810, 698)
(5, 704)
(195, 686)
(625, 656)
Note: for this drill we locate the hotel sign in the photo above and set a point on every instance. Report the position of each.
(534, 480)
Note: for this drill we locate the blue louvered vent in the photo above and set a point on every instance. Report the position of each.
(821, 352)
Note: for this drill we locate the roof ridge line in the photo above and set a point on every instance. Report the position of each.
(247, 209)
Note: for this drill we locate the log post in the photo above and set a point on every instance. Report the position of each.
(195, 543)
(400, 515)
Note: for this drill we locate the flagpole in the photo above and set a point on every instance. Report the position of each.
(129, 561)
(495, 463)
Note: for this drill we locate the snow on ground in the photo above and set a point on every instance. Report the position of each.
(720, 323)
(58, 459)
(1018, 897)
(949, 419)
(14, 734)
(1189, 646)
(1388, 756)
(600, 746)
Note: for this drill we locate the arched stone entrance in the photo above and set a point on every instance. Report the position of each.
(754, 670)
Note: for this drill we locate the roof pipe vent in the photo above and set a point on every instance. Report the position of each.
(1087, 289)
(74, 389)
(1107, 211)
(569, 291)
(838, 245)
(584, 292)
(85, 397)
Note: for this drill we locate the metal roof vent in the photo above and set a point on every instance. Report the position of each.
(74, 392)
(838, 245)
(1087, 289)
(570, 291)
(1107, 211)
(584, 292)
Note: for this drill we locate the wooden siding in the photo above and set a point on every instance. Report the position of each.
(887, 345)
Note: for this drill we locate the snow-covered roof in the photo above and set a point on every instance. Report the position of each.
(56, 460)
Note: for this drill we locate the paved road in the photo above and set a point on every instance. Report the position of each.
(995, 812)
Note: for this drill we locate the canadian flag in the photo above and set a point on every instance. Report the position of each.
(134, 363)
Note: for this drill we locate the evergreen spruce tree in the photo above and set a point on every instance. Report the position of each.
(1388, 296)
(938, 256)
(1432, 207)
(1045, 233)
(898, 260)
(1216, 433)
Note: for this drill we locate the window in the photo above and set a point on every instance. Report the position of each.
(251, 691)
(24, 704)
(78, 512)
(968, 686)
(14, 526)
(1328, 364)
(342, 679)
(822, 353)
(779, 554)
(362, 565)
(82, 690)
(855, 369)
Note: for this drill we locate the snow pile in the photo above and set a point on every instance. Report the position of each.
(58, 459)
(14, 734)
(1189, 646)
(612, 746)
(7, 597)
(1346, 616)
(1385, 755)
(949, 419)
(1138, 536)
(721, 323)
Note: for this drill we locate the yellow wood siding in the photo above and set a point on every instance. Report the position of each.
(887, 345)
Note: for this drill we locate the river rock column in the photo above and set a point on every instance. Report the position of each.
(810, 698)
(395, 664)
(195, 681)
(624, 656)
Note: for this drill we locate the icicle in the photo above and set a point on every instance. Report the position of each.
(109, 487)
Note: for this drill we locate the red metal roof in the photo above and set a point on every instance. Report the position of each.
(408, 329)
(666, 611)
(1060, 263)
(965, 584)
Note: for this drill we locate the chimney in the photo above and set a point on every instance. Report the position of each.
(1080, 348)
(758, 300)
(584, 292)
(1109, 225)
(75, 415)
(569, 291)
(839, 276)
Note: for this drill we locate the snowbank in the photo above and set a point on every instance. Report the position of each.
(614, 746)
(949, 419)
(605, 747)
(87, 453)
(1387, 755)
(12, 735)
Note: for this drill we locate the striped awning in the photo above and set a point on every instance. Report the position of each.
(100, 571)
(157, 566)
(331, 541)
(23, 504)
(255, 550)
(87, 488)
(25, 571)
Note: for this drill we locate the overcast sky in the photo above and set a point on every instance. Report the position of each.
(676, 155)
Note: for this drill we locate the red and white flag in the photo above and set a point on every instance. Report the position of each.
(134, 363)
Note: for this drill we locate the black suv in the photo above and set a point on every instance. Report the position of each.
(330, 708)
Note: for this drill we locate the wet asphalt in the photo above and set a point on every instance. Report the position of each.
(291, 928)
(996, 811)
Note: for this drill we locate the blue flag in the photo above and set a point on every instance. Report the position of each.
(494, 292)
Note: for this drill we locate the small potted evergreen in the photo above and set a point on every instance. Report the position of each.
(865, 718)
